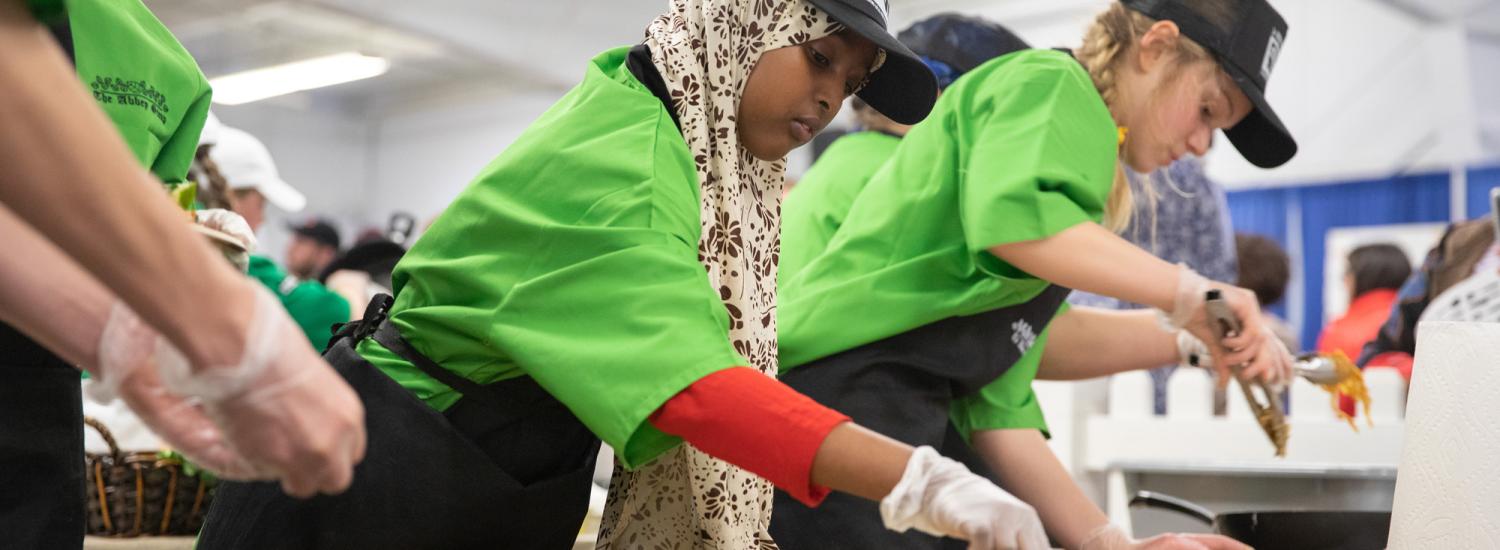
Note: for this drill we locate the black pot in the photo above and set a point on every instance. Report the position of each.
(1319, 530)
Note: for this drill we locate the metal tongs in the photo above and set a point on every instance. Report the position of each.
(1268, 411)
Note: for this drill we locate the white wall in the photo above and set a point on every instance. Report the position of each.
(1367, 90)
(423, 158)
(322, 152)
(1484, 68)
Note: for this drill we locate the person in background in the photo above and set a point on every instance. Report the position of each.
(611, 275)
(949, 44)
(1265, 269)
(315, 244)
(1466, 248)
(106, 275)
(1375, 273)
(246, 165)
(1183, 218)
(926, 310)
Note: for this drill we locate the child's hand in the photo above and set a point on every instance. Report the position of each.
(1235, 348)
(1112, 537)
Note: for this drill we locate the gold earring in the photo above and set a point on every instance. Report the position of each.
(1123, 131)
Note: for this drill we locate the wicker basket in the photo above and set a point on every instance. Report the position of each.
(140, 493)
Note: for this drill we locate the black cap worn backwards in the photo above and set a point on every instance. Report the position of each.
(902, 88)
(1246, 40)
(953, 44)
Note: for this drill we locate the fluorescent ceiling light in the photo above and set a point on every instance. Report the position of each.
(318, 72)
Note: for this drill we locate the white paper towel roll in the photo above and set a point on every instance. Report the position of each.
(1448, 485)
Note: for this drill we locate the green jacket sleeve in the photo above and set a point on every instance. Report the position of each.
(1042, 156)
(616, 335)
(176, 156)
(1008, 402)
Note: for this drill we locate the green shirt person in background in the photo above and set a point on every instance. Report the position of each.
(929, 309)
(247, 168)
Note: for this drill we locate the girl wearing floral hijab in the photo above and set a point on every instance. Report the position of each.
(611, 276)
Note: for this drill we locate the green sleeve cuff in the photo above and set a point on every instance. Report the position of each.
(1008, 402)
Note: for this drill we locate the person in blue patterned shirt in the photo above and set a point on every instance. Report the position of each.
(1184, 218)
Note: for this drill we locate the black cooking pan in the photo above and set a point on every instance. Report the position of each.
(1330, 530)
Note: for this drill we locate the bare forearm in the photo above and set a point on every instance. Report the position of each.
(69, 175)
(1088, 257)
(1028, 469)
(48, 296)
(861, 462)
(1090, 342)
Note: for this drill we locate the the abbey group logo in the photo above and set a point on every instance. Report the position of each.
(1022, 336)
(110, 90)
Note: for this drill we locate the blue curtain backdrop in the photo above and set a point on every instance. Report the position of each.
(1481, 180)
(1402, 199)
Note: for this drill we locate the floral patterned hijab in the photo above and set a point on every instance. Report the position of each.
(705, 50)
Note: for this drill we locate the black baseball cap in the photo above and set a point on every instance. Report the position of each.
(319, 231)
(962, 42)
(902, 88)
(1246, 40)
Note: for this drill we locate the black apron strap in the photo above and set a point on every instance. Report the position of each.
(388, 336)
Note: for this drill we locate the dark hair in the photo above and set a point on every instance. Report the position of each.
(1264, 267)
(1378, 266)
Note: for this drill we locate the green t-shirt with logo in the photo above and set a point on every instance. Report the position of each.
(1016, 150)
(573, 259)
(815, 208)
(139, 75)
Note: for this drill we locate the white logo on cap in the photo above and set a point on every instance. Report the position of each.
(1273, 49)
(880, 7)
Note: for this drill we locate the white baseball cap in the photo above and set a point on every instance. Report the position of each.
(246, 164)
(211, 129)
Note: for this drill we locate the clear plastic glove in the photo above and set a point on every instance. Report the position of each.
(282, 407)
(127, 349)
(940, 497)
(231, 234)
(1111, 537)
(1188, 313)
(1273, 363)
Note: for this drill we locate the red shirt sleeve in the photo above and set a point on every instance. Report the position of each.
(755, 422)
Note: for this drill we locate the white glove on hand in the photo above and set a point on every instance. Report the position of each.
(1273, 363)
(281, 407)
(126, 345)
(939, 496)
(1189, 313)
(241, 239)
(1192, 352)
(1188, 300)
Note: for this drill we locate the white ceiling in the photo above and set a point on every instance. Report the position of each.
(442, 48)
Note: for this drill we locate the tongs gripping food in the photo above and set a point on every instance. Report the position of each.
(1268, 411)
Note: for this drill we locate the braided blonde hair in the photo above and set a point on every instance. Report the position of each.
(1106, 44)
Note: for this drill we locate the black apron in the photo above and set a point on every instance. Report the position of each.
(508, 466)
(903, 387)
(42, 498)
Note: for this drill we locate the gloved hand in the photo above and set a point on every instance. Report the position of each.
(241, 239)
(127, 349)
(1273, 363)
(281, 407)
(1188, 313)
(1111, 537)
(939, 496)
